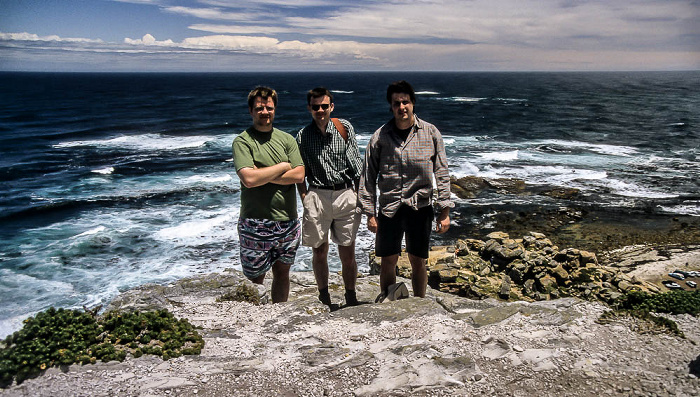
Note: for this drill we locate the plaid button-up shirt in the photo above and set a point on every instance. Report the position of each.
(329, 159)
(403, 170)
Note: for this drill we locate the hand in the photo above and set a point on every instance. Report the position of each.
(372, 224)
(442, 223)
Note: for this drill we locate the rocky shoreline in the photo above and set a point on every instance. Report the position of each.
(444, 345)
(474, 334)
(565, 217)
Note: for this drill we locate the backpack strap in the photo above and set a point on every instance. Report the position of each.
(341, 128)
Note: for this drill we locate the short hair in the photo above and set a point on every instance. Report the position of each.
(400, 87)
(263, 92)
(318, 92)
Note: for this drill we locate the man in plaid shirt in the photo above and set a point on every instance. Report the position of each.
(400, 161)
(329, 150)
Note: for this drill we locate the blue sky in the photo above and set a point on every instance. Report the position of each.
(328, 35)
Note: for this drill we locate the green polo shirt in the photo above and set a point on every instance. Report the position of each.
(265, 149)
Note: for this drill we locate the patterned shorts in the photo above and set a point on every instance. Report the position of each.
(264, 242)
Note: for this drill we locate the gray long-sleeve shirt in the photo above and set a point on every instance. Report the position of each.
(402, 171)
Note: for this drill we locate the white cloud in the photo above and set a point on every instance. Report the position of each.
(414, 34)
(36, 38)
(210, 13)
(243, 30)
(149, 40)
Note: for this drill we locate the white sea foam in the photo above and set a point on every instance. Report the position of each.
(500, 156)
(92, 231)
(615, 150)
(145, 142)
(343, 92)
(692, 210)
(464, 99)
(463, 168)
(511, 99)
(209, 178)
(427, 93)
(200, 229)
(628, 189)
(104, 171)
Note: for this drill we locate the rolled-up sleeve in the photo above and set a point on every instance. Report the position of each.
(442, 173)
(367, 195)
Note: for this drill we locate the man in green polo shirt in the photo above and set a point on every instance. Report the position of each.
(269, 165)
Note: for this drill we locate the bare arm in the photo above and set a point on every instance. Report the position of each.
(291, 177)
(301, 188)
(254, 177)
(372, 224)
(442, 223)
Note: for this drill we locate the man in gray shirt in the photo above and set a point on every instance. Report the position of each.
(333, 165)
(400, 161)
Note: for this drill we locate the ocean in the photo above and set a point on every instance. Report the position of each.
(110, 181)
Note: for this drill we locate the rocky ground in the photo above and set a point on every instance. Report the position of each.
(442, 345)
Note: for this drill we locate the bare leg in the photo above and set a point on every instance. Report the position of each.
(280, 282)
(259, 280)
(347, 259)
(419, 275)
(320, 265)
(387, 274)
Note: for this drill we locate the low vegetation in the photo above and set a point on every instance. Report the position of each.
(646, 308)
(60, 337)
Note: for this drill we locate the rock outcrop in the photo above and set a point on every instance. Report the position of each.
(530, 268)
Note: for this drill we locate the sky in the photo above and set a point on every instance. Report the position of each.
(349, 35)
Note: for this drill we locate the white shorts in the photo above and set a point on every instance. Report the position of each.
(330, 210)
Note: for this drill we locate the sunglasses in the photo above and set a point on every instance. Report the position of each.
(324, 106)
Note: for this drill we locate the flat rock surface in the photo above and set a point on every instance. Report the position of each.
(442, 345)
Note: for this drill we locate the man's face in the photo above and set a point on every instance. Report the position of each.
(263, 113)
(402, 107)
(316, 107)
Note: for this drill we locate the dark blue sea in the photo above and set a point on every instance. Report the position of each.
(110, 181)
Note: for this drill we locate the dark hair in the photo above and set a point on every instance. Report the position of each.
(263, 92)
(318, 92)
(400, 87)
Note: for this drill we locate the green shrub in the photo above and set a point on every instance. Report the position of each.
(641, 305)
(59, 337)
(673, 302)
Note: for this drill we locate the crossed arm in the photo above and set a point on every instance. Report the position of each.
(280, 174)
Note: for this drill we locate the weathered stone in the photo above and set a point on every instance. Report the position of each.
(563, 193)
(588, 257)
(529, 287)
(448, 275)
(507, 185)
(462, 248)
(625, 286)
(546, 284)
(516, 275)
(561, 275)
(504, 289)
(498, 236)
(468, 187)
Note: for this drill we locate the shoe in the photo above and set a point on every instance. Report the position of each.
(325, 298)
(393, 293)
(380, 298)
(397, 291)
(351, 298)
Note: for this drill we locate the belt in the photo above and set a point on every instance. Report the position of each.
(337, 186)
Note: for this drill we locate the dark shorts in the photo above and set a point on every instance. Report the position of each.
(264, 242)
(415, 224)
